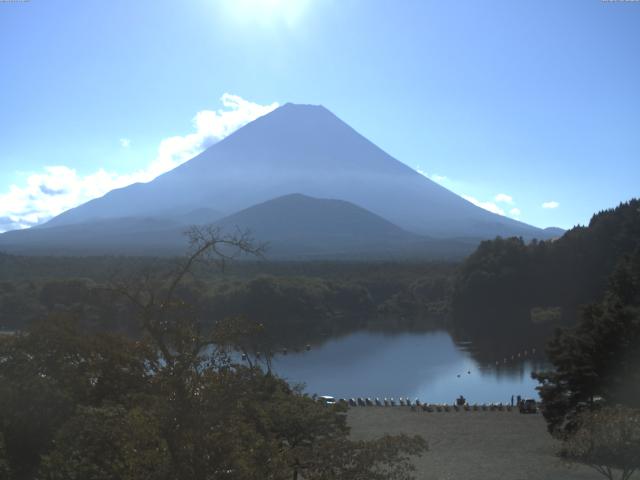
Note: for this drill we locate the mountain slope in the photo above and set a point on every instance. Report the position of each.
(306, 149)
(298, 216)
(112, 236)
(298, 225)
(293, 227)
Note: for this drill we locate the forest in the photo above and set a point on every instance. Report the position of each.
(124, 368)
(78, 400)
(505, 291)
(510, 285)
(298, 303)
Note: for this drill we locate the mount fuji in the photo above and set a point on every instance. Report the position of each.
(295, 149)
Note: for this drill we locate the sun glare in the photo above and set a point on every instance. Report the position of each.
(266, 12)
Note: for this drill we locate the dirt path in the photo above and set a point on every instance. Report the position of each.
(473, 445)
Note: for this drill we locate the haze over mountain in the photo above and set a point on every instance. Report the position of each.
(292, 227)
(294, 149)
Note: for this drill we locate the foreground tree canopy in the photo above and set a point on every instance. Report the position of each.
(597, 363)
(592, 399)
(607, 439)
(170, 404)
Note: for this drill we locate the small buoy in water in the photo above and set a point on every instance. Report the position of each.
(468, 372)
(458, 375)
(308, 347)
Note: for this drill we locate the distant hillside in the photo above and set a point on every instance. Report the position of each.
(554, 232)
(309, 224)
(504, 279)
(111, 236)
(305, 149)
(294, 227)
(300, 226)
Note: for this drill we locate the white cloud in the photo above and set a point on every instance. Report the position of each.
(438, 178)
(551, 204)
(211, 127)
(434, 176)
(491, 206)
(59, 188)
(504, 198)
(125, 142)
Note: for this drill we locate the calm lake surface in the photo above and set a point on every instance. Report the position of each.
(429, 366)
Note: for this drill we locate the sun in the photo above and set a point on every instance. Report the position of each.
(266, 12)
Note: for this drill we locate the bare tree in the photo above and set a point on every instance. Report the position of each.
(168, 320)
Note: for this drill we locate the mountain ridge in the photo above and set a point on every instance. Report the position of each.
(294, 226)
(304, 149)
(295, 148)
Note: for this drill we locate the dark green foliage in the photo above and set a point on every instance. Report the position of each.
(197, 416)
(500, 283)
(598, 362)
(293, 310)
(5, 473)
(297, 303)
(105, 443)
(44, 374)
(171, 404)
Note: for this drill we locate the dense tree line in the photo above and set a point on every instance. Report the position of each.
(295, 309)
(597, 362)
(499, 285)
(591, 398)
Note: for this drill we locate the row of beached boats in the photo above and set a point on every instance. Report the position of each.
(416, 404)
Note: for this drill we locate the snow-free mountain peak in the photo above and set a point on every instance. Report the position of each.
(308, 150)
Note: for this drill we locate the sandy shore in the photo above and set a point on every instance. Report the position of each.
(473, 445)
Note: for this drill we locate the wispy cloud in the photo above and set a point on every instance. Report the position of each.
(491, 206)
(494, 207)
(58, 188)
(439, 178)
(504, 198)
(551, 204)
(433, 176)
(125, 142)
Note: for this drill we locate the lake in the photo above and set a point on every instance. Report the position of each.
(429, 366)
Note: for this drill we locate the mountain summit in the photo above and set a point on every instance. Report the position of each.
(302, 149)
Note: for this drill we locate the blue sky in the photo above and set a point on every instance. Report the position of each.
(515, 105)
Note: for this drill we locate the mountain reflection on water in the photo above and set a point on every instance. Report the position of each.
(428, 365)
